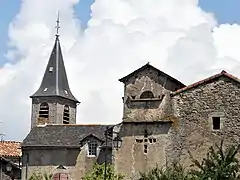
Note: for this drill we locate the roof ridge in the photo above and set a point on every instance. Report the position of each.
(223, 72)
(10, 141)
(79, 125)
(123, 79)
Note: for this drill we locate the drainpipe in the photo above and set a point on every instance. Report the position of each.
(0, 169)
(26, 174)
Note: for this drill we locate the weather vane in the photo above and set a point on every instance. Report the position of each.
(58, 25)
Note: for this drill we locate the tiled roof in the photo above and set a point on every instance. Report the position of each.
(62, 135)
(207, 80)
(10, 148)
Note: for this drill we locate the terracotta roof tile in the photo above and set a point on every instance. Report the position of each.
(10, 148)
(207, 80)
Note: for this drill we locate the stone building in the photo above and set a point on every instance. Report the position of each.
(162, 121)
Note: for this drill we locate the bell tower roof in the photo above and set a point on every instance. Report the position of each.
(55, 82)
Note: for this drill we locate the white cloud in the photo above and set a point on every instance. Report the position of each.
(121, 36)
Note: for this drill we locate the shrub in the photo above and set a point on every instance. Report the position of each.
(219, 164)
(173, 172)
(98, 173)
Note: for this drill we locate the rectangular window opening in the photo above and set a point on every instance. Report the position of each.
(145, 148)
(92, 149)
(50, 69)
(216, 123)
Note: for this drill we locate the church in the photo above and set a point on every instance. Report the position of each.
(163, 120)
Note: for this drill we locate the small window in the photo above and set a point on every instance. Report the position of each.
(147, 95)
(50, 69)
(216, 123)
(44, 110)
(92, 149)
(66, 114)
(145, 148)
(45, 89)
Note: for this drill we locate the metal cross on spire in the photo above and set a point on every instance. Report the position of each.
(58, 25)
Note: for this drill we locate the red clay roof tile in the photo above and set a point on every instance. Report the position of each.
(10, 148)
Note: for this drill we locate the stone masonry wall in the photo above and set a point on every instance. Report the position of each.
(194, 110)
(140, 152)
(56, 106)
(136, 109)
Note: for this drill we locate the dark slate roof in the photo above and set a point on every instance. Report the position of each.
(55, 82)
(207, 80)
(62, 135)
(124, 79)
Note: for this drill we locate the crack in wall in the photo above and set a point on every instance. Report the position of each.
(133, 159)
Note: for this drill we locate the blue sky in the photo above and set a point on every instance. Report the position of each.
(226, 11)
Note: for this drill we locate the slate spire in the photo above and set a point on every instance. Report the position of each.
(55, 82)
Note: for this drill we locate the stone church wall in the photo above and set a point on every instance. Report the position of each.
(137, 109)
(56, 108)
(140, 151)
(194, 110)
(146, 123)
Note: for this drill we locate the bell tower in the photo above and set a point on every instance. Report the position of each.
(53, 102)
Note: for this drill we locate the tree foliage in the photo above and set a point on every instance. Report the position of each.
(41, 176)
(219, 164)
(173, 172)
(98, 173)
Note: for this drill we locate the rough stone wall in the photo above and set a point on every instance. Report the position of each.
(56, 106)
(154, 109)
(194, 110)
(132, 157)
(140, 152)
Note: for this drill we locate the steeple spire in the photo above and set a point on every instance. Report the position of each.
(55, 82)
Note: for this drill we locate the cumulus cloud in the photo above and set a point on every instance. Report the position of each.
(122, 35)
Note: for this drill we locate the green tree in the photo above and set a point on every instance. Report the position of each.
(219, 164)
(98, 173)
(173, 172)
(40, 176)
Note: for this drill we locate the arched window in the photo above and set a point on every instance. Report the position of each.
(66, 114)
(44, 110)
(147, 95)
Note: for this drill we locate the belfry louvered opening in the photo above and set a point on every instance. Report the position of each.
(44, 110)
(66, 114)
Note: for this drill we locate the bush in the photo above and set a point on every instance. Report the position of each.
(98, 173)
(219, 164)
(40, 176)
(173, 172)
